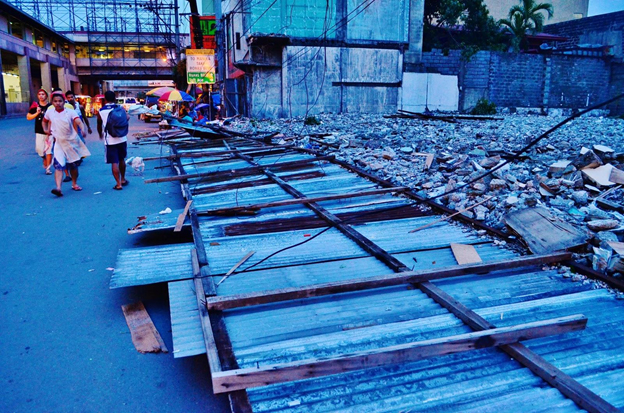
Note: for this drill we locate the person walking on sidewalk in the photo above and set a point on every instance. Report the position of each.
(63, 125)
(43, 145)
(75, 105)
(112, 126)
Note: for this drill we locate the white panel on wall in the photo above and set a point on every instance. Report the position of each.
(429, 90)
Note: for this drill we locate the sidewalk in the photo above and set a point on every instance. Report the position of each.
(64, 342)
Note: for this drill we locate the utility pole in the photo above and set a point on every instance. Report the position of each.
(197, 33)
(220, 41)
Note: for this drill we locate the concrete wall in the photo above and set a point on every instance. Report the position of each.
(331, 80)
(605, 29)
(617, 87)
(516, 79)
(524, 80)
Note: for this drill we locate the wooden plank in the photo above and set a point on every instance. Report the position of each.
(303, 200)
(145, 337)
(238, 264)
(250, 151)
(465, 254)
(404, 353)
(182, 217)
(543, 232)
(209, 339)
(569, 387)
(252, 170)
(316, 290)
(591, 273)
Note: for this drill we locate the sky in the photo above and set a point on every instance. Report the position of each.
(604, 6)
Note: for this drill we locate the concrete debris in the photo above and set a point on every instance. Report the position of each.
(567, 173)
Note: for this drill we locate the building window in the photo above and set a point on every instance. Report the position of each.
(16, 28)
(65, 50)
(37, 38)
(238, 44)
(54, 49)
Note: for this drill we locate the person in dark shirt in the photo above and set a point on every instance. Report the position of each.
(43, 144)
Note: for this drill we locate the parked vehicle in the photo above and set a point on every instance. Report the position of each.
(126, 102)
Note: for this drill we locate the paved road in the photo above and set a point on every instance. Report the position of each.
(64, 343)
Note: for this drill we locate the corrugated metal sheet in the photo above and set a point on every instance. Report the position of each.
(478, 381)
(186, 329)
(157, 222)
(141, 266)
(484, 380)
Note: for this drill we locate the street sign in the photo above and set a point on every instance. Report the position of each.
(200, 66)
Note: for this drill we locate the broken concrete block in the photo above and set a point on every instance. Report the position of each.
(490, 162)
(599, 176)
(602, 224)
(602, 149)
(580, 197)
(587, 160)
(375, 166)
(512, 200)
(497, 184)
(617, 176)
(557, 169)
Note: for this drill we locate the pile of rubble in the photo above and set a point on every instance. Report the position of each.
(577, 172)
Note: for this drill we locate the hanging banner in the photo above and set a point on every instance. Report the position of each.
(200, 66)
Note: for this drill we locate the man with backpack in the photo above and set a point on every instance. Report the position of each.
(112, 126)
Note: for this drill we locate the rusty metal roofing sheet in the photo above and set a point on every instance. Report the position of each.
(141, 266)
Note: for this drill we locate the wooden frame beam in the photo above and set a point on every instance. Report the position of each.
(316, 290)
(209, 338)
(252, 151)
(404, 353)
(296, 201)
(252, 170)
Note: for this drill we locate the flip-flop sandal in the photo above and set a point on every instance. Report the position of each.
(124, 183)
(76, 188)
(57, 192)
(116, 188)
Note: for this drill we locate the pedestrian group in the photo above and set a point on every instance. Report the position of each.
(61, 126)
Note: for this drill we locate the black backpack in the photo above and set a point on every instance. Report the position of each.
(117, 122)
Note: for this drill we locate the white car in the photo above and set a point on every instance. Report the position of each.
(126, 102)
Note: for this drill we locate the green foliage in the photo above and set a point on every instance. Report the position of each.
(480, 30)
(525, 18)
(484, 107)
(311, 121)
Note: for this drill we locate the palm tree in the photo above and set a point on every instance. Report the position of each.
(526, 18)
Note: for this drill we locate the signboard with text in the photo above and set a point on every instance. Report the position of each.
(200, 66)
(207, 26)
